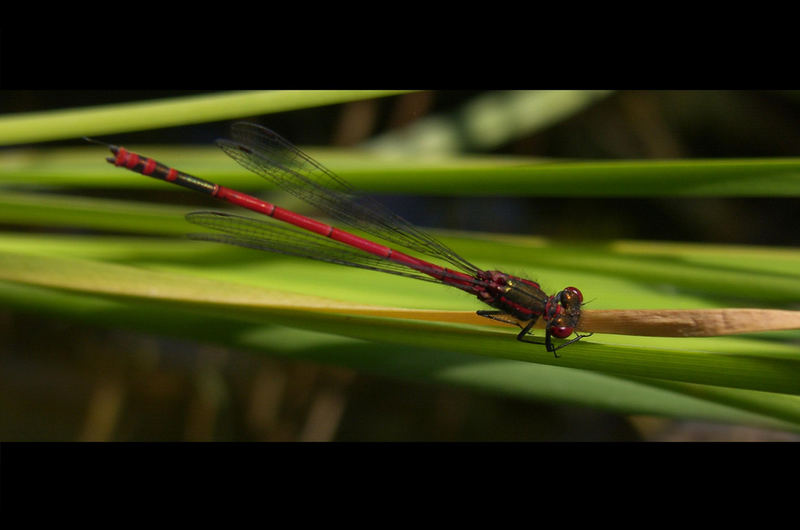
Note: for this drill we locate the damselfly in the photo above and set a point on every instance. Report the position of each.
(277, 160)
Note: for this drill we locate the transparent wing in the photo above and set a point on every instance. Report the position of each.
(272, 237)
(269, 155)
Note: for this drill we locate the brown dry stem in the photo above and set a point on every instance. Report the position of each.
(688, 322)
(647, 322)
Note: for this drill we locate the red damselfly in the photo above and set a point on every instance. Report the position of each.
(269, 155)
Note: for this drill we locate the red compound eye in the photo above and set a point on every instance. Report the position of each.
(562, 332)
(575, 292)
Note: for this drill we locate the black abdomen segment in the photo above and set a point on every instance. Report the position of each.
(151, 168)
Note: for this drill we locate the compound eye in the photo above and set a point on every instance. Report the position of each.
(562, 332)
(571, 292)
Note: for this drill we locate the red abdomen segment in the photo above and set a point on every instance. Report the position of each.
(151, 168)
(455, 278)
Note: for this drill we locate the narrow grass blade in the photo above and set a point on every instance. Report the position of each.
(139, 116)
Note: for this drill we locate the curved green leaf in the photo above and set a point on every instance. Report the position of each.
(138, 116)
